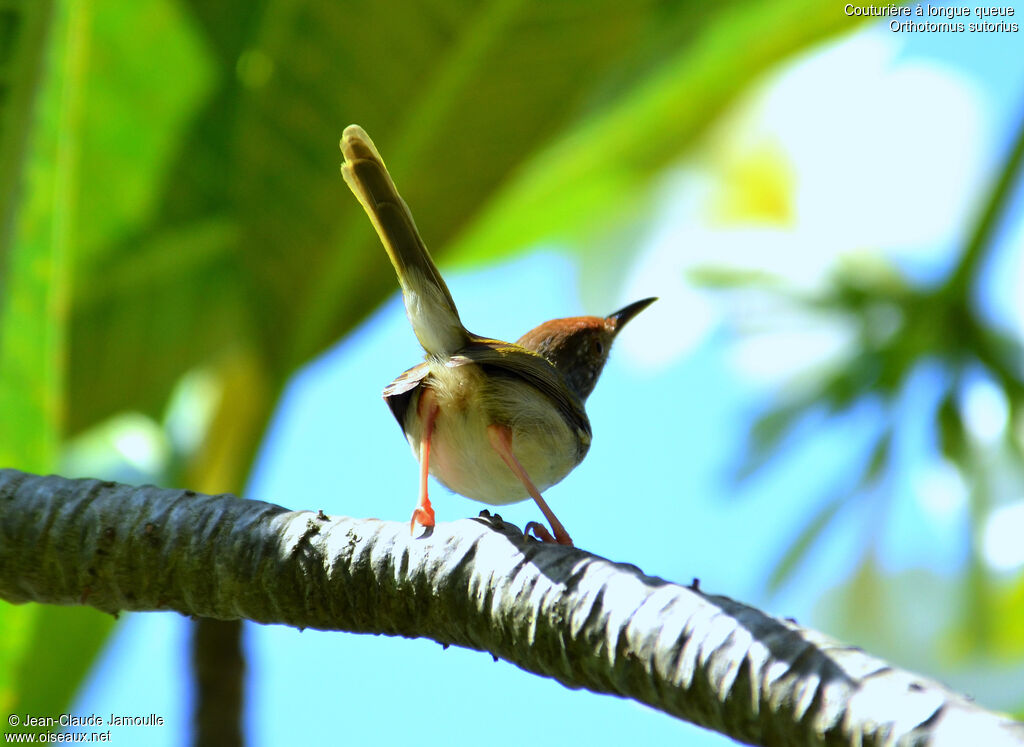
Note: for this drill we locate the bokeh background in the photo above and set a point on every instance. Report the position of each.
(823, 415)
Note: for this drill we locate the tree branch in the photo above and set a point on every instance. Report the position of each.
(559, 612)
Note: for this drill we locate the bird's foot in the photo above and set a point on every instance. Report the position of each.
(540, 532)
(424, 516)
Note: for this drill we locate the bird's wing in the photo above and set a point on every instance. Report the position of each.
(507, 359)
(399, 392)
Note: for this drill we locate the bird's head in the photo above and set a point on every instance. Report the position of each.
(578, 346)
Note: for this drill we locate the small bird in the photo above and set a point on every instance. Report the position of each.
(494, 421)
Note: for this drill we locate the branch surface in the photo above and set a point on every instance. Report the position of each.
(478, 583)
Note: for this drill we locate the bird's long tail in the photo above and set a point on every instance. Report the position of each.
(428, 302)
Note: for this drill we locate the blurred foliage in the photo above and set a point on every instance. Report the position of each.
(877, 608)
(181, 207)
(901, 327)
(44, 651)
(23, 28)
(33, 277)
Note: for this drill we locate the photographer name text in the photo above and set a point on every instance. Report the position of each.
(94, 719)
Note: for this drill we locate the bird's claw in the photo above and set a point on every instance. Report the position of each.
(540, 532)
(424, 516)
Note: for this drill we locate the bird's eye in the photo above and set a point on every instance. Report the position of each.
(599, 347)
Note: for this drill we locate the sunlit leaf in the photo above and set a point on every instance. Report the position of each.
(23, 30)
(17, 623)
(975, 631)
(62, 647)
(862, 605)
(32, 270)
(759, 188)
(724, 278)
(126, 322)
(1009, 620)
(138, 291)
(137, 103)
(45, 651)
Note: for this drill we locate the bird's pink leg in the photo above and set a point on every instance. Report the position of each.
(501, 441)
(427, 409)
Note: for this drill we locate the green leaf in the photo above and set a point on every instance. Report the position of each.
(147, 76)
(45, 650)
(1008, 620)
(56, 654)
(32, 268)
(126, 322)
(137, 290)
(16, 628)
(862, 605)
(728, 278)
(976, 631)
(23, 30)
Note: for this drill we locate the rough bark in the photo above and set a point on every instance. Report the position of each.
(555, 611)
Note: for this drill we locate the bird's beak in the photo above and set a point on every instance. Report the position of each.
(618, 320)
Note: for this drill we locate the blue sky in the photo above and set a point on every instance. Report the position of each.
(653, 490)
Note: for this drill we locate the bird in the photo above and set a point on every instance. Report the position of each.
(494, 421)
